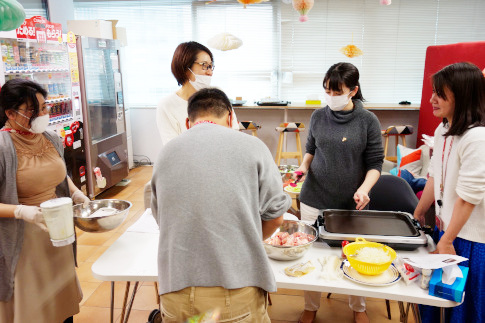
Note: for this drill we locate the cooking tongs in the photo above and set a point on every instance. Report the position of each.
(299, 176)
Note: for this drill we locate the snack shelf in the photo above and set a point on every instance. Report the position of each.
(40, 70)
(57, 100)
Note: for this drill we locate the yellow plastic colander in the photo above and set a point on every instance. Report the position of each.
(368, 268)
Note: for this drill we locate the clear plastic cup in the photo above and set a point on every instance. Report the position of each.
(59, 218)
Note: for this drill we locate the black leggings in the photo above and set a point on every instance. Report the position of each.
(69, 320)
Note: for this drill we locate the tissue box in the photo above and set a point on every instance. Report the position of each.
(454, 292)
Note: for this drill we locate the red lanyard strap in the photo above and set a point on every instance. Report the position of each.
(204, 121)
(20, 132)
(443, 169)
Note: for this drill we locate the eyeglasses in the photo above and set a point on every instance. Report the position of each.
(206, 66)
(44, 109)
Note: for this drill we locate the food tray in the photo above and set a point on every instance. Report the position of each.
(275, 103)
(396, 229)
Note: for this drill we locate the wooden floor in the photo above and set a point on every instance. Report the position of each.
(287, 304)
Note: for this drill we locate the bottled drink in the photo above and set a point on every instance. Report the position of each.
(4, 53)
(52, 90)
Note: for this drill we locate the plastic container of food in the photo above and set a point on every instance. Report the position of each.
(368, 268)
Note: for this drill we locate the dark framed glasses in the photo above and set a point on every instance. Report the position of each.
(205, 66)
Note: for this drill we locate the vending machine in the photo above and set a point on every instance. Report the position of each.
(38, 51)
(103, 110)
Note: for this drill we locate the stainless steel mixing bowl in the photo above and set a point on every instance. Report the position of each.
(291, 252)
(84, 221)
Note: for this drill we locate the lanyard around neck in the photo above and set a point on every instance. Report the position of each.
(204, 121)
(443, 169)
(20, 132)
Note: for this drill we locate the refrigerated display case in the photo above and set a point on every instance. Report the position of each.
(103, 109)
(49, 64)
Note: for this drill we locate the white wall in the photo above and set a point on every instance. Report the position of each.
(60, 11)
(145, 135)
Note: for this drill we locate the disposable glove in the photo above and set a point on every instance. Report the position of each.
(31, 214)
(79, 198)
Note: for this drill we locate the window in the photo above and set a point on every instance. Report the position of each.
(34, 8)
(155, 28)
(282, 57)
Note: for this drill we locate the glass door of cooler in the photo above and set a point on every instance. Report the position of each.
(49, 65)
(104, 113)
(100, 93)
(45, 63)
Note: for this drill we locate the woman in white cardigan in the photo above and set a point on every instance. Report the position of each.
(192, 66)
(457, 181)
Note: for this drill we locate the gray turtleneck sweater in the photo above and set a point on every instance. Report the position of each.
(345, 146)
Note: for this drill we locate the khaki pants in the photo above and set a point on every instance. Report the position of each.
(312, 299)
(248, 304)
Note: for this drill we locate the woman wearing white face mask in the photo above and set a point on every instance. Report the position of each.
(38, 282)
(192, 66)
(343, 160)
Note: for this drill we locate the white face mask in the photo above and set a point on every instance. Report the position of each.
(38, 125)
(337, 103)
(201, 81)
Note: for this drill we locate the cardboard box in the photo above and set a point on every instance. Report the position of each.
(119, 33)
(454, 292)
(113, 27)
(91, 28)
(121, 36)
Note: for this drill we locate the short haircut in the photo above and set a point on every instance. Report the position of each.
(467, 83)
(208, 102)
(184, 57)
(17, 92)
(343, 74)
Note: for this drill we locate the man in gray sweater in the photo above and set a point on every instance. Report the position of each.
(217, 194)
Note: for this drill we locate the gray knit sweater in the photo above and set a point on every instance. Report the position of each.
(12, 230)
(345, 145)
(211, 188)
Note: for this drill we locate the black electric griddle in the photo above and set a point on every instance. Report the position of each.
(396, 229)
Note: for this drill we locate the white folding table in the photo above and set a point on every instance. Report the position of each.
(133, 258)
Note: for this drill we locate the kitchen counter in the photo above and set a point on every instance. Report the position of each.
(303, 106)
(269, 117)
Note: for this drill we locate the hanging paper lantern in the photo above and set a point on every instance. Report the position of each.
(303, 7)
(224, 41)
(246, 2)
(351, 51)
(12, 15)
(385, 2)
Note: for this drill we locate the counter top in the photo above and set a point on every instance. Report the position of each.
(303, 106)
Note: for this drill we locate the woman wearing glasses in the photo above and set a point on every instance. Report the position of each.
(192, 66)
(38, 282)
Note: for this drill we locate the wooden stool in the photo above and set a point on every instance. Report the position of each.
(249, 125)
(397, 132)
(296, 128)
